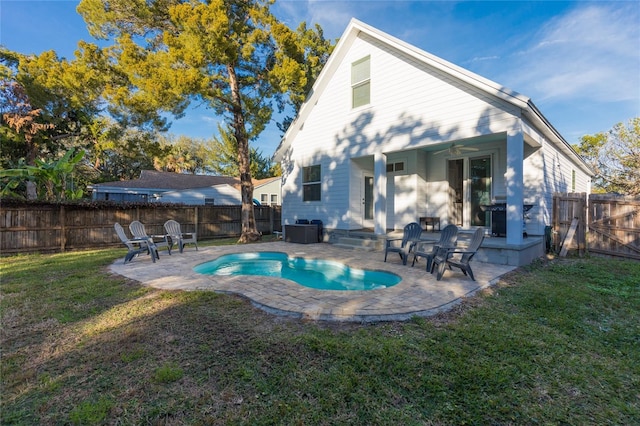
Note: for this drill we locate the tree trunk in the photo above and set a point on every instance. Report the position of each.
(249, 230)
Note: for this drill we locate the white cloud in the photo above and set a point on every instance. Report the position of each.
(210, 120)
(591, 53)
(484, 58)
(333, 16)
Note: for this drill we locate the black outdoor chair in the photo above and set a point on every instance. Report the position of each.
(448, 239)
(458, 258)
(404, 245)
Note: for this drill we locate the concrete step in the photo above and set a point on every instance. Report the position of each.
(360, 243)
(352, 247)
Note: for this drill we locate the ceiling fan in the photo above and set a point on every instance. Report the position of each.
(455, 149)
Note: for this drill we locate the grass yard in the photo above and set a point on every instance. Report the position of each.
(554, 343)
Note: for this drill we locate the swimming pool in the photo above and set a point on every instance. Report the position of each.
(314, 273)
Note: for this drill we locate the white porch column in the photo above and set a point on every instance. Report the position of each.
(380, 193)
(514, 179)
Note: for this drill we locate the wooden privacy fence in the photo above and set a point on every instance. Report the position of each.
(602, 223)
(614, 225)
(54, 228)
(569, 219)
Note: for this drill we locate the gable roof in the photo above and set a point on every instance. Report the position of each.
(356, 27)
(177, 181)
(257, 183)
(171, 181)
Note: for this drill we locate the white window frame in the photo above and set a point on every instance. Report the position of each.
(311, 183)
(361, 79)
(399, 167)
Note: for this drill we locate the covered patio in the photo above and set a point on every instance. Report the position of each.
(418, 294)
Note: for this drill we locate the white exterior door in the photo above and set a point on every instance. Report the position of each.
(367, 201)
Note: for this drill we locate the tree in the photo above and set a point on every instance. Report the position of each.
(22, 128)
(233, 55)
(52, 178)
(615, 157)
(224, 159)
(183, 155)
(119, 153)
(46, 104)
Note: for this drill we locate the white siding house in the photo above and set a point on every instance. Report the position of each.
(156, 186)
(267, 191)
(218, 195)
(165, 187)
(391, 133)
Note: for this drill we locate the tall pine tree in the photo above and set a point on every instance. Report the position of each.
(233, 55)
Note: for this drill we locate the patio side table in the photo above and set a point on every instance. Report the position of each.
(430, 220)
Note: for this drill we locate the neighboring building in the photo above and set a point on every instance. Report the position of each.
(155, 186)
(217, 195)
(267, 191)
(391, 133)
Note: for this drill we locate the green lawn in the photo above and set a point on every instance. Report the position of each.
(554, 343)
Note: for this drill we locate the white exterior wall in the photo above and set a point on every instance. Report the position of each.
(269, 189)
(223, 195)
(411, 106)
(549, 170)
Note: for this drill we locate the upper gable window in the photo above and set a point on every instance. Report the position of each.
(361, 82)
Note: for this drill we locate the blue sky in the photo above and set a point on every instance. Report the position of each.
(578, 61)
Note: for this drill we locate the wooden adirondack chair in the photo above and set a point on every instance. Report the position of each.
(404, 245)
(459, 258)
(429, 249)
(135, 245)
(176, 235)
(137, 230)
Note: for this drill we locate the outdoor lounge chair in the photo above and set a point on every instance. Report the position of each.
(404, 245)
(459, 258)
(138, 231)
(176, 235)
(135, 245)
(448, 239)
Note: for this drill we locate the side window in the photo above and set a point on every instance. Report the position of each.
(361, 82)
(311, 183)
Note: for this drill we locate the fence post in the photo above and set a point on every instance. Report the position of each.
(582, 241)
(271, 219)
(63, 229)
(195, 220)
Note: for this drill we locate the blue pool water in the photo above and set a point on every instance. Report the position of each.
(313, 273)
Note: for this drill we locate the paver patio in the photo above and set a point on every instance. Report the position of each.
(418, 294)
